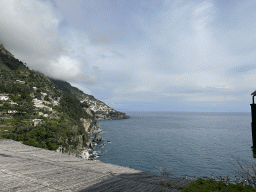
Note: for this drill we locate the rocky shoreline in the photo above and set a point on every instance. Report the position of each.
(88, 152)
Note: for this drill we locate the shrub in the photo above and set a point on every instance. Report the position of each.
(202, 185)
(247, 172)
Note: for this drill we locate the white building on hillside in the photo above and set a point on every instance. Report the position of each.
(44, 94)
(37, 121)
(12, 111)
(4, 98)
(55, 103)
(37, 101)
(19, 81)
(47, 108)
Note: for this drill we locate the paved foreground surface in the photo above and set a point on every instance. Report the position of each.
(26, 168)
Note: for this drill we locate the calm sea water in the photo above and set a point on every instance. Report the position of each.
(191, 144)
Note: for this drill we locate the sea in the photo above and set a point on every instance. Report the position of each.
(184, 143)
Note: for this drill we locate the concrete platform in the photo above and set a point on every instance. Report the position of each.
(26, 168)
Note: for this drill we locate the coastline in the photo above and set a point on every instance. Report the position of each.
(88, 153)
(112, 117)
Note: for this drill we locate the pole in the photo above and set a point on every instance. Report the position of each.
(253, 125)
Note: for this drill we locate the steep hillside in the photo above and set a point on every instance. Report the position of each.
(101, 110)
(35, 111)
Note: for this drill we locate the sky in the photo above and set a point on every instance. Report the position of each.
(141, 55)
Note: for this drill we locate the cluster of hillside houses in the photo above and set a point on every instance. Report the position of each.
(96, 106)
(38, 104)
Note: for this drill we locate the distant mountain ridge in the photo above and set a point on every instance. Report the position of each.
(101, 110)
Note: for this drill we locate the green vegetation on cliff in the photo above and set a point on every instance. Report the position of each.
(35, 111)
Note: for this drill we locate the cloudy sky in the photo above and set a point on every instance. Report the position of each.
(141, 55)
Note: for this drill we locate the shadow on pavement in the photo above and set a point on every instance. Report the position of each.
(137, 182)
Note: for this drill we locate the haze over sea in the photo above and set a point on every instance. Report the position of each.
(191, 143)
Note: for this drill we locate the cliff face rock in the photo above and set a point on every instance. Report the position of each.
(86, 123)
(90, 126)
(77, 152)
(85, 155)
(97, 139)
(89, 112)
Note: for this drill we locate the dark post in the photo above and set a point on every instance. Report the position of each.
(253, 112)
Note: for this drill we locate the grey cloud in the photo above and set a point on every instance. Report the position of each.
(243, 68)
(118, 54)
(114, 54)
(30, 31)
(104, 22)
(184, 90)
